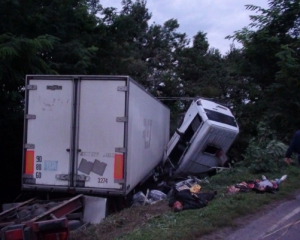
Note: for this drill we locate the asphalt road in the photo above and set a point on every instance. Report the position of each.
(282, 223)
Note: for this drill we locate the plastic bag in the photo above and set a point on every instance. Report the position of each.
(157, 195)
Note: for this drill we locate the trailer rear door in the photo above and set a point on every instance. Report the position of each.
(49, 130)
(101, 133)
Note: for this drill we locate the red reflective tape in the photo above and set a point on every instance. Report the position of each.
(29, 162)
(119, 166)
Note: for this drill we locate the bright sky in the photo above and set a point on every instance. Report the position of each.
(217, 18)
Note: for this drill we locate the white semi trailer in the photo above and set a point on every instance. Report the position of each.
(91, 134)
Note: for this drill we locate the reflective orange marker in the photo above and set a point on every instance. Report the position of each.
(29, 162)
(119, 166)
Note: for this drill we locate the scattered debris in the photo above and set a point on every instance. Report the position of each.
(187, 195)
(259, 186)
(182, 195)
(151, 197)
(185, 199)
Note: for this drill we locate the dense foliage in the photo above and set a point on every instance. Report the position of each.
(270, 64)
(260, 82)
(264, 152)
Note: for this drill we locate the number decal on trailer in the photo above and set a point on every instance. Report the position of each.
(38, 175)
(38, 167)
(39, 158)
(102, 180)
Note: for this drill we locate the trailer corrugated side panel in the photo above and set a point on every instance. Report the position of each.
(148, 134)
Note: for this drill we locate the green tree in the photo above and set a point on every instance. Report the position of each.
(36, 37)
(121, 39)
(271, 49)
(70, 21)
(18, 57)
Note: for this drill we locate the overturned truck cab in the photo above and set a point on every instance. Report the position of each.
(200, 143)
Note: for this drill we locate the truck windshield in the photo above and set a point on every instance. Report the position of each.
(220, 117)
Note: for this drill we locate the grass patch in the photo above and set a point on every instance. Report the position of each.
(161, 223)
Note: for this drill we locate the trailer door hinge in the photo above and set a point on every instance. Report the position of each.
(120, 150)
(64, 177)
(82, 177)
(123, 88)
(28, 179)
(121, 119)
(30, 116)
(31, 87)
(29, 146)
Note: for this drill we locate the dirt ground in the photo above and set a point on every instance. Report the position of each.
(123, 222)
(132, 218)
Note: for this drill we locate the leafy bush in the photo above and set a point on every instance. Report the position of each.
(264, 152)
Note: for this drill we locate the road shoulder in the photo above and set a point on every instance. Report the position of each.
(261, 223)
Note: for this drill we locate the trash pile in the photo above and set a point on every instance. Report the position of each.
(259, 186)
(151, 197)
